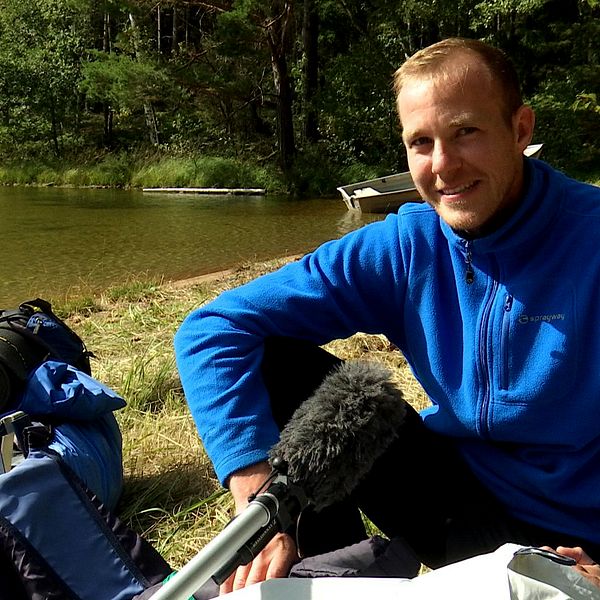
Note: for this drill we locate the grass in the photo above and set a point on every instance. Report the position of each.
(142, 170)
(203, 172)
(171, 495)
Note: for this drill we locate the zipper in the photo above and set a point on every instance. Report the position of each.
(470, 273)
(484, 334)
(483, 360)
(508, 303)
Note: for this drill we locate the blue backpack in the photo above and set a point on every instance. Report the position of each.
(61, 480)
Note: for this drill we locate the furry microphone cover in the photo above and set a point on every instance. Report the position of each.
(335, 436)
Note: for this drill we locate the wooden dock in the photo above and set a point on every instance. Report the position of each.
(209, 191)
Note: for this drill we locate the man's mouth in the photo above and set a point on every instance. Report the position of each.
(457, 190)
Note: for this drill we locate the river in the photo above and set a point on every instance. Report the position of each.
(57, 242)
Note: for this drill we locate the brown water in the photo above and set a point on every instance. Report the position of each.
(55, 242)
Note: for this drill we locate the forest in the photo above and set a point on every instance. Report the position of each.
(292, 94)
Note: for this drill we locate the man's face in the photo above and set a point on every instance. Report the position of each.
(465, 157)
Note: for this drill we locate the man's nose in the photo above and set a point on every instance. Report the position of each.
(444, 159)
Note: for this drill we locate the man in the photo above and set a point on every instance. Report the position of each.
(490, 290)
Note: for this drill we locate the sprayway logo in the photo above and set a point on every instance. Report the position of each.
(523, 319)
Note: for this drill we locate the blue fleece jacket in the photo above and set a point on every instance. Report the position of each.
(510, 360)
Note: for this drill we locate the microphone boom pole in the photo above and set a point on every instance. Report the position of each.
(241, 540)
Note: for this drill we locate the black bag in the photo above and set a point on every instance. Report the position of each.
(30, 335)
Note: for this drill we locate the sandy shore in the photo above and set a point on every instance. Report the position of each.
(217, 275)
(206, 278)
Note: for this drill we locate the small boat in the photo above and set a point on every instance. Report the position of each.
(387, 194)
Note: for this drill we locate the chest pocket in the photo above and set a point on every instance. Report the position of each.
(539, 342)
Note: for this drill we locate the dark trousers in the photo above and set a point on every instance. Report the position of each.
(420, 489)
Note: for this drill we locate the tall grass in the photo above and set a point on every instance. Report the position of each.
(171, 495)
(110, 170)
(143, 170)
(205, 171)
(27, 174)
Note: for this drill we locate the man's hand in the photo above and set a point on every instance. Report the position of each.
(279, 555)
(275, 560)
(585, 565)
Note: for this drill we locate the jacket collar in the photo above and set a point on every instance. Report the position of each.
(538, 208)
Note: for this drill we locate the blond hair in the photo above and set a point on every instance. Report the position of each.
(433, 61)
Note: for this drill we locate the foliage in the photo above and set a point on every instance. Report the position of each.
(568, 124)
(40, 45)
(123, 82)
(235, 80)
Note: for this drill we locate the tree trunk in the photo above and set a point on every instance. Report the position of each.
(108, 112)
(54, 128)
(108, 125)
(151, 123)
(158, 30)
(149, 113)
(278, 34)
(285, 122)
(174, 32)
(187, 26)
(310, 39)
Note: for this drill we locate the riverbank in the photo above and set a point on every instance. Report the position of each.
(171, 495)
(311, 177)
(139, 170)
(150, 170)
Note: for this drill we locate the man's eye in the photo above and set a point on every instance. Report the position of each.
(466, 130)
(418, 142)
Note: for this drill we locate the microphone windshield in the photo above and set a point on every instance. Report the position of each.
(335, 436)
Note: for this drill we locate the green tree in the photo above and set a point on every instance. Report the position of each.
(40, 48)
(127, 78)
(127, 85)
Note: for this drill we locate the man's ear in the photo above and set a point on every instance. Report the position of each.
(524, 123)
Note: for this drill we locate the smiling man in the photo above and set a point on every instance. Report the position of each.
(464, 137)
(491, 291)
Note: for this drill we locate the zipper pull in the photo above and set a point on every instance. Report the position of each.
(470, 274)
(508, 302)
(38, 324)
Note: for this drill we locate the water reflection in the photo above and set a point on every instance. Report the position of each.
(58, 241)
(351, 220)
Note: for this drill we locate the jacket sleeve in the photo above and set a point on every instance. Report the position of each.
(345, 286)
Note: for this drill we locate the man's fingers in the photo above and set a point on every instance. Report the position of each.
(253, 573)
(227, 585)
(576, 553)
(281, 564)
(245, 575)
(237, 580)
(241, 576)
(590, 572)
(274, 561)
